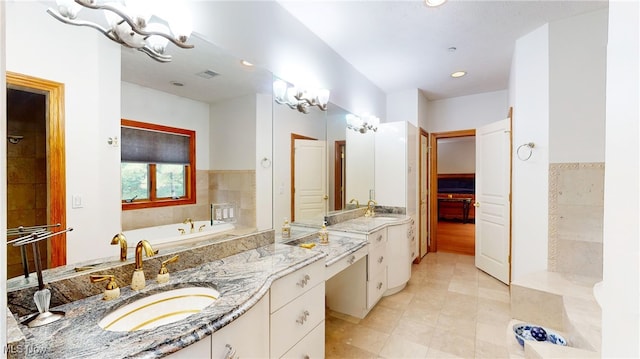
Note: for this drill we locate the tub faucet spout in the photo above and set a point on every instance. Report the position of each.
(190, 222)
(122, 241)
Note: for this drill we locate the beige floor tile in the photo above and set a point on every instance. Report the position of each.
(452, 343)
(460, 325)
(415, 331)
(437, 354)
(463, 286)
(368, 339)
(491, 333)
(498, 295)
(398, 301)
(382, 319)
(340, 351)
(399, 347)
(493, 312)
(487, 350)
(422, 314)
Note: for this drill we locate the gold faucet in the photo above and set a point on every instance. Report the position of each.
(357, 203)
(190, 222)
(138, 280)
(370, 208)
(122, 241)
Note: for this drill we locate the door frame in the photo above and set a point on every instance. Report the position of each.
(56, 196)
(433, 185)
(294, 137)
(427, 182)
(338, 174)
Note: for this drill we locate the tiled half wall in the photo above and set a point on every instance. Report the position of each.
(576, 208)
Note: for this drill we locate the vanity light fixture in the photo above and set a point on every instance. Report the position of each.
(458, 74)
(246, 63)
(131, 24)
(300, 99)
(362, 124)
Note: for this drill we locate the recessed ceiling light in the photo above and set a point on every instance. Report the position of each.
(458, 74)
(246, 63)
(434, 3)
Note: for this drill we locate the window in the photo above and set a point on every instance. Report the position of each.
(157, 166)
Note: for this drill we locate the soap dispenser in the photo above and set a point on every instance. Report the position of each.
(163, 274)
(286, 229)
(323, 235)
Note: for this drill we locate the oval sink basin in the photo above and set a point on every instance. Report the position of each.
(159, 309)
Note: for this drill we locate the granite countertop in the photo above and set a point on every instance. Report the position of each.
(242, 280)
(338, 247)
(367, 225)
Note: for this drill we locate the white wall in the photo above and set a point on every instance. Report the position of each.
(577, 50)
(423, 105)
(457, 155)
(530, 179)
(264, 161)
(233, 134)
(403, 106)
(90, 71)
(621, 261)
(149, 105)
(263, 32)
(466, 112)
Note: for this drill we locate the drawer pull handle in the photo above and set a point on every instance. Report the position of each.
(380, 259)
(379, 285)
(304, 281)
(303, 317)
(351, 260)
(231, 352)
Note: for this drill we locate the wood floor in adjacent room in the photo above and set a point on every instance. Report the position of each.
(449, 309)
(456, 237)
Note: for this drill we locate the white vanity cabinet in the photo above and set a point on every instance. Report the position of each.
(376, 266)
(231, 340)
(297, 313)
(399, 257)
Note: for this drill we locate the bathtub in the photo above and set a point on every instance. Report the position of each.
(170, 234)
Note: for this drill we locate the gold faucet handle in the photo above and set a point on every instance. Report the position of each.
(95, 278)
(163, 264)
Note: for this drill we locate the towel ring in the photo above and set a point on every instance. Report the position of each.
(265, 163)
(530, 146)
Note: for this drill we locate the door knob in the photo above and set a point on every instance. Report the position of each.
(476, 204)
(325, 197)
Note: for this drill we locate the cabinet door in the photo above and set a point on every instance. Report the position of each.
(251, 327)
(399, 252)
(200, 349)
(310, 347)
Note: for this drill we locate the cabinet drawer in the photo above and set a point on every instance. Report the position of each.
(376, 286)
(376, 260)
(310, 347)
(293, 321)
(378, 238)
(345, 262)
(292, 285)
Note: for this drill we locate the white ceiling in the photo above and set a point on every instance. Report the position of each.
(402, 45)
(398, 45)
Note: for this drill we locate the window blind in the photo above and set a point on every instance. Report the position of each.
(148, 146)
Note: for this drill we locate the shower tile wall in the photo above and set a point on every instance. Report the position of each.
(576, 210)
(237, 187)
(26, 171)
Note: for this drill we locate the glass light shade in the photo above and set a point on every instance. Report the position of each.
(323, 96)
(374, 122)
(129, 37)
(279, 89)
(292, 92)
(68, 8)
(139, 11)
(434, 3)
(157, 43)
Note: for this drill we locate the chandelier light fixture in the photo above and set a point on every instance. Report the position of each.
(362, 124)
(300, 99)
(132, 23)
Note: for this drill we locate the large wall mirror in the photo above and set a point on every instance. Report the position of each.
(320, 165)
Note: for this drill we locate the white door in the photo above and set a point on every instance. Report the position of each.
(424, 190)
(310, 176)
(493, 205)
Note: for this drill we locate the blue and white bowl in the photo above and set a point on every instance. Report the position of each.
(524, 331)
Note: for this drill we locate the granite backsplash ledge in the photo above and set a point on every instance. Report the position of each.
(76, 286)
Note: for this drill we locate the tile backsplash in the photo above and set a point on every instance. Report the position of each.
(576, 211)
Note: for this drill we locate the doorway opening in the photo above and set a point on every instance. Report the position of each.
(340, 169)
(452, 183)
(35, 167)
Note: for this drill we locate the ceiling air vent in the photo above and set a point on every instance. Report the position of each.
(207, 74)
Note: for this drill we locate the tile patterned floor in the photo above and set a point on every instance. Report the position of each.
(449, 309)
